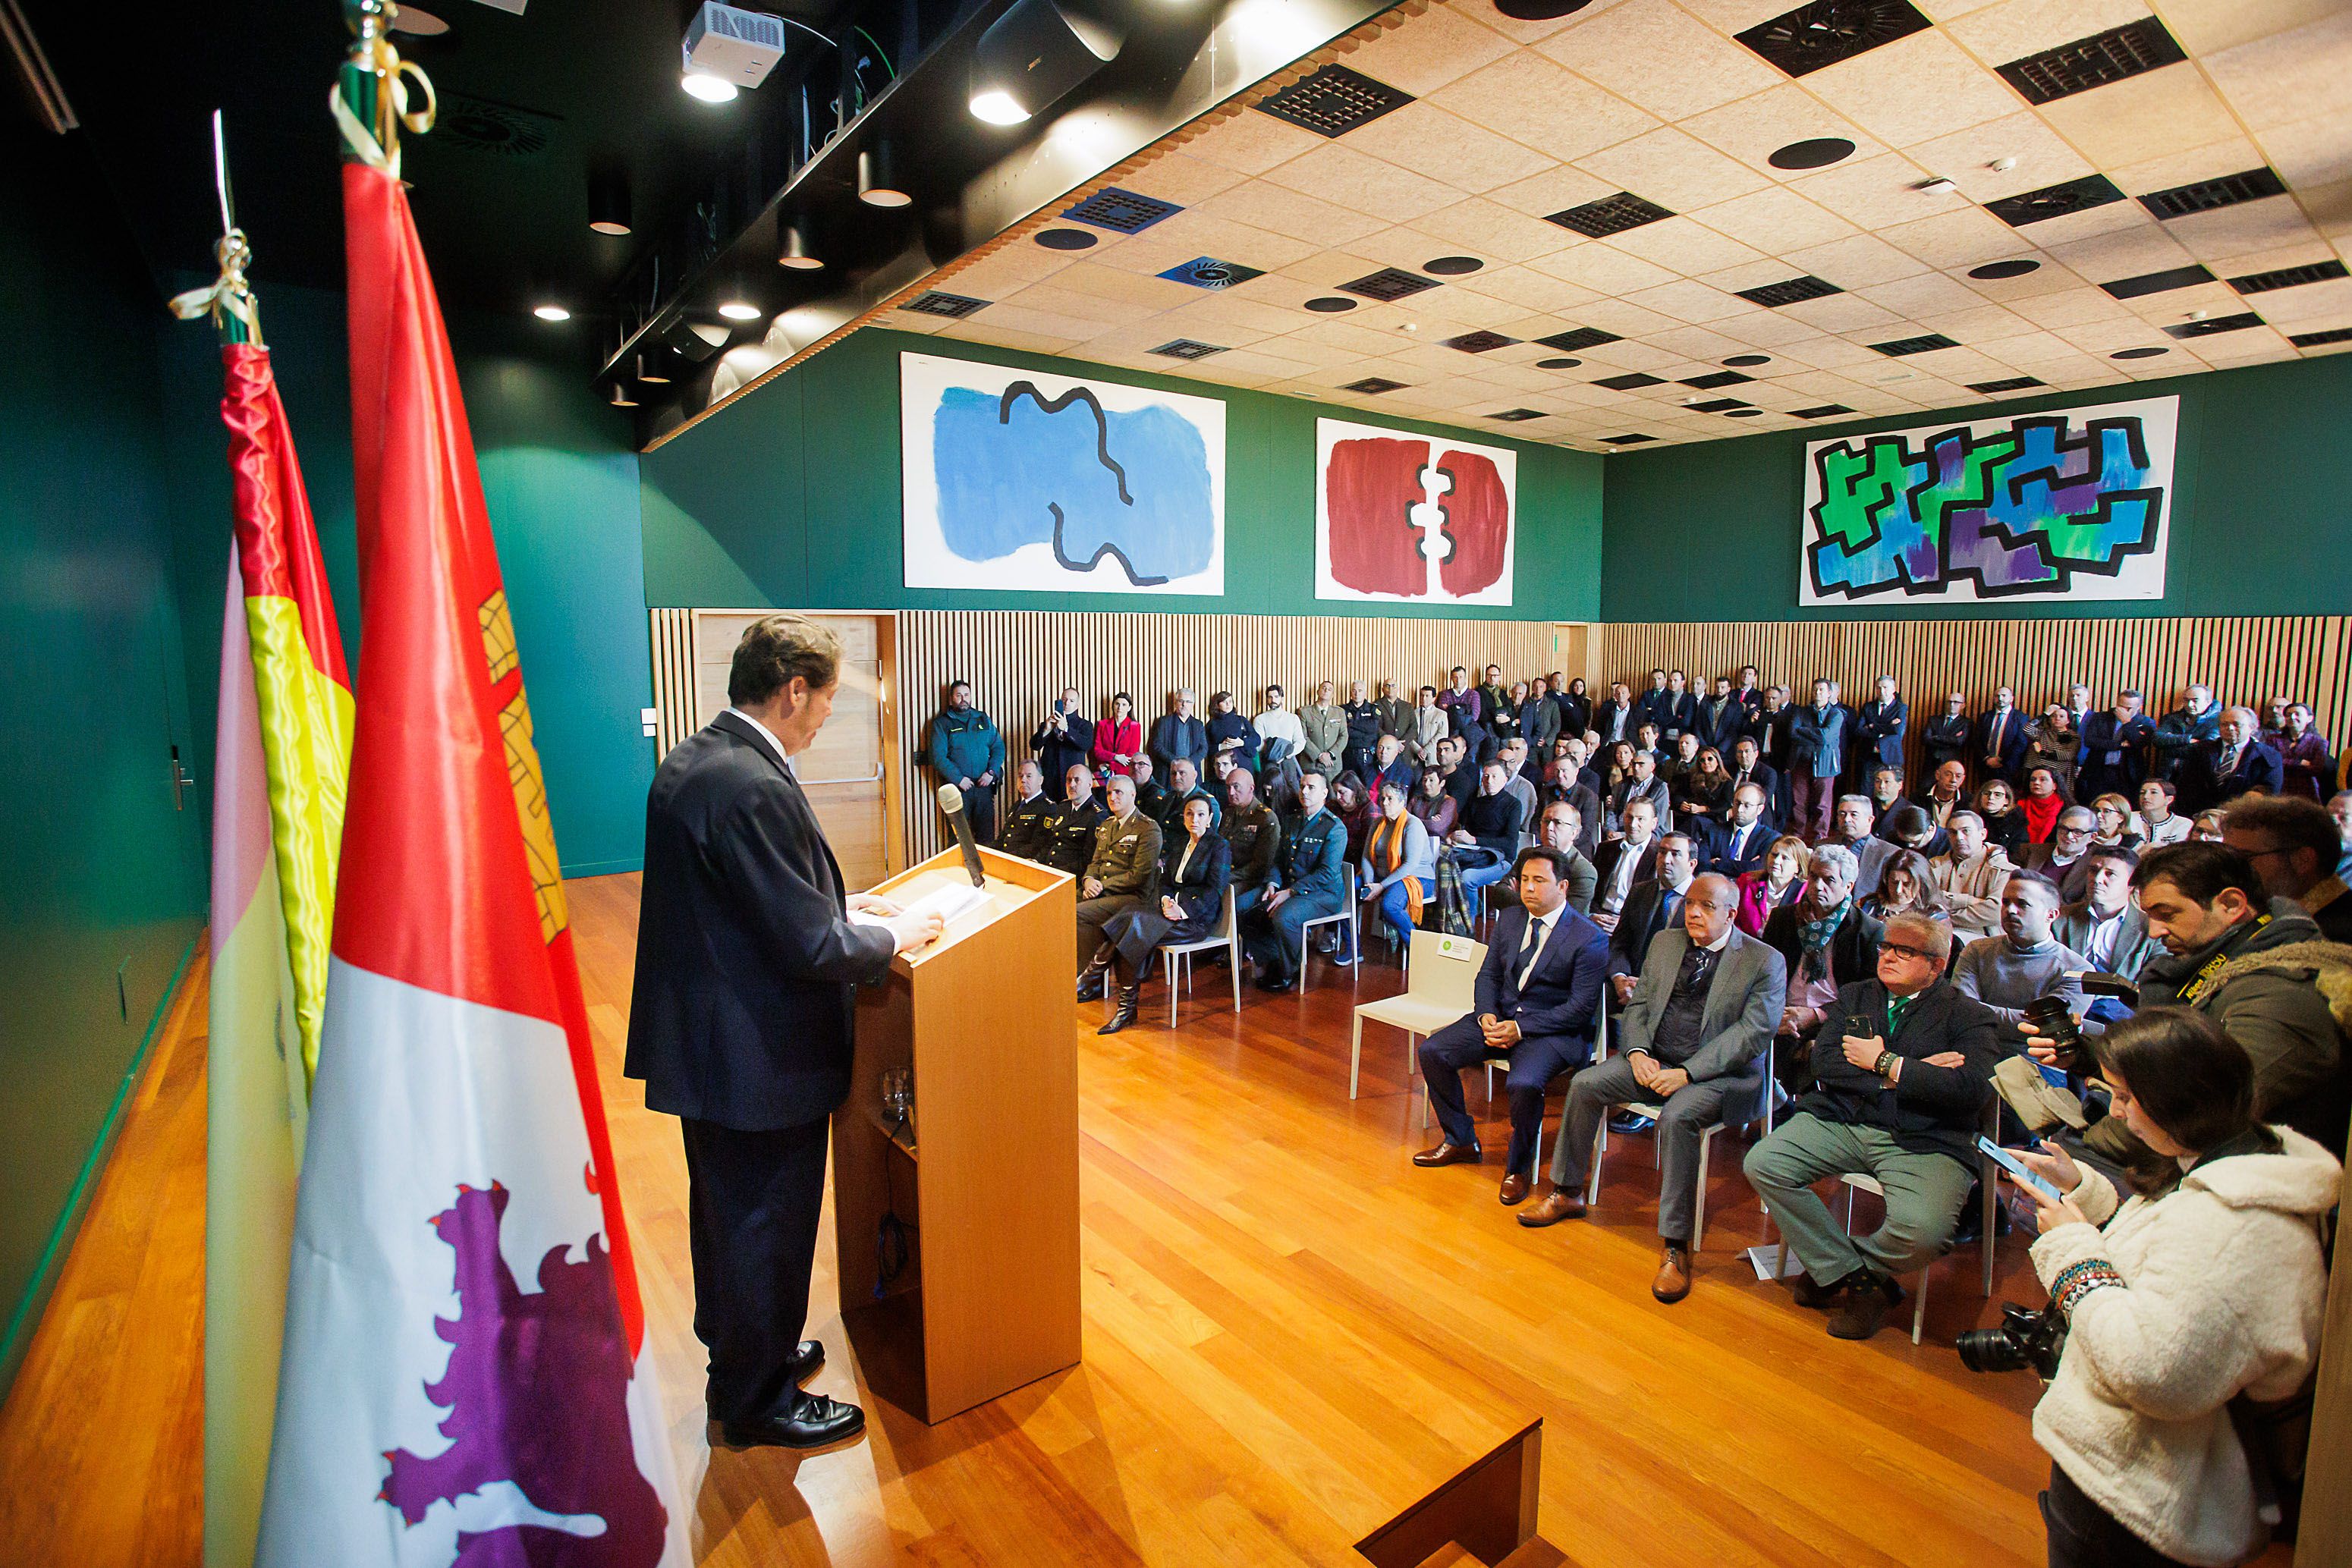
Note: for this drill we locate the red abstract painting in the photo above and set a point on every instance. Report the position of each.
(1406, 518)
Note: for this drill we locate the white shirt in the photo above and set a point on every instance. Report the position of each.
(1621, 876)
(1531, 946)
(769, 737)
(2102, 945)
(2173, 830)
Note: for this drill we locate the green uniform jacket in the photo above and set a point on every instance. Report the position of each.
(1327, 738)
(1127, 855)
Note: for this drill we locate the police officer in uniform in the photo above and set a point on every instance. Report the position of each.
(1122, 874)
(1070, 826)
(1024, 832)
(1308, 886)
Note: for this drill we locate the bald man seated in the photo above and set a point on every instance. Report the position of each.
(1694, 1033)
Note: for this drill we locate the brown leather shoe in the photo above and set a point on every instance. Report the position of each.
(1515, 1190)
(1821, 1298)
(1868, 1299)
(1673, 1281)
(1450, 1154)
(1553, 1208)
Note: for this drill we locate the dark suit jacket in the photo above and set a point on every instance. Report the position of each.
(2134, 945)
(1720, 722)
(2259, 765)
(1930, 1110)
(1854, 949)
(1717, 849)
(1944, 737)
(1605, 859)
(1563, 990)
(1743, 1007)
(1879, 740)
(1638, 923)
(1604, 714)
(2012, 742)
(1200, 890)
(747, 962)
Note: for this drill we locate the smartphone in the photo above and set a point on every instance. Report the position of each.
(2016, 1169)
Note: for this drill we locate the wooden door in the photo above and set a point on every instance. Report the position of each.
(850, 770)
(1571, 650)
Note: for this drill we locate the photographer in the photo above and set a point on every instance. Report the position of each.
(2207, 1283)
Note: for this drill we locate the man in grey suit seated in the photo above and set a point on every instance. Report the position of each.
(1694, 1033)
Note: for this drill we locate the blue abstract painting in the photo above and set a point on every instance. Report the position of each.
(1019, 480)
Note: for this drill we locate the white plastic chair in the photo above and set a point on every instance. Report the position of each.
(1227, 935)
(1705, 1145)
(1347, 916)
(1440, 988)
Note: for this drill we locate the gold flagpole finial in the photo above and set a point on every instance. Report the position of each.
(230, 300)
(370, 99)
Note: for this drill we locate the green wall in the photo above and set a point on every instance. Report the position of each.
(2262, 521)
(560, 481)
(790, 498)
(102, 880)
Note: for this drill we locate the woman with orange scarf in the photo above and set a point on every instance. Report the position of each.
(1400, 867)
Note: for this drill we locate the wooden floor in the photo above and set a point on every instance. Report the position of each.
(1282, 1317)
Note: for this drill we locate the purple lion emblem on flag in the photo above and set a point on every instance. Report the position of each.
(537, 1391)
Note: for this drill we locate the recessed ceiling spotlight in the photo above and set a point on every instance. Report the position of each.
(877, 184)
(1066, 239)
(739, 310)
(2016, 267)
(1819, 152)
(550, 313)
(1558, 364)
(1330, 304)
(1749, 359)
(1742, 412)
(1935, 187)
(707, 88)
(2138, 353)
(2001, 165)
(1540, 10)
(418, 23)
(1451, 266)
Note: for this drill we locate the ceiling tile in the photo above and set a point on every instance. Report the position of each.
(1094, 307)
(1627, 320)
(1925, 296)
(1430, 140)
(1961, 239)
(1531, 99)
(1277, 209)
(1250, 143)
(2074, 307)
(1200, 231)
(1966, 157)
(2129, 253)
(1677, 171)
(1772, 218)
(1442, 45)
(2243, 230)
(1484, 11)
(1913, 90)
(1998, 33)
(1753, 127)
(1602, 268)
(2209, 26)
(1685, 244)
(1874, 192)
(1340, 175)
(1528, 288)
(2289, 75)
(1490, 229)
(1690, 301)
(1706, 343)
(1855, 261)
(1556, 190)
(1625, 47)
(2305, 153)
(1768, 329)
(2157, 115)
(1839, 313)
(1181, 178)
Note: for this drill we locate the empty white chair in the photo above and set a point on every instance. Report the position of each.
(1441, 985)
(1347, 916)
(1227, 935)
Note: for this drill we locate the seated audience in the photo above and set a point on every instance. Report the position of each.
(2293, 845)
(1642, 784)
(1825, 939)
(2004, 824)
(1151, 797)
(1069, 841)
(1777, 883)
(1435, 806)
(2339, 808)
(2025, 961)
(2053, 743)
(1651, 907)
(1651, 743)
(1122, 874)
(1681, 756)
(1559, 829)
(1736, 842)
(2114, 823)
(1389, 765)
(1461, 775)
(1513, 756)
(1948, 793)
(1623, 863)
(1486, 837)
(1252, 836)
(1309, 887)
(1855, 819)
(2044, 798)
(1749, 767)
(1902, 1070)
(2235, 762)
(2157, 822)
(1351, 802)
(1183, 786)
(1905, 887)
(2207, 827)
(2306, 771)
(1119, 740)
(2106, 927)
(1538, 1005)
(1024, 832)
(1970, 874)
(1885, 793)
(1694, 1036)
(2207, 1284)
(1615, 717)
(1192, 877)
(2060, 861)
(1398, 875)
(1705, 791)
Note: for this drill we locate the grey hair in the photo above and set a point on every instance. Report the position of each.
(1836, 858)
(1934, 938)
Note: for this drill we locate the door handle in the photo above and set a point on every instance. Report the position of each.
(181, 781)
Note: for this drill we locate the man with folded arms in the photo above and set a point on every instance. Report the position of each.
(1970, 874)
(1902, 1066)
(1539, 1001)
(1707, 1001)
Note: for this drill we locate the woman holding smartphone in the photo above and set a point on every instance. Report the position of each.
(2206, 1283)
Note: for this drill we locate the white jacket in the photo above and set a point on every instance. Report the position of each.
(1973, 888)
(2223, 1291)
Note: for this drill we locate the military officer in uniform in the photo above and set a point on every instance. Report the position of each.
(1307, 885)
(1122, 874)
(1070, 827)
(1254, 832)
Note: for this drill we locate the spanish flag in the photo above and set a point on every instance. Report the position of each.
(283, 747)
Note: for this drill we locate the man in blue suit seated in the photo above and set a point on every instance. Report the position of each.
(1539, 1002)
(1695, 1037)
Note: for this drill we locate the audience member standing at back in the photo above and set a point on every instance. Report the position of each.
(1879, 729)
(1179, 736)
(1820, 739)
(1063, 739)
(966, 751)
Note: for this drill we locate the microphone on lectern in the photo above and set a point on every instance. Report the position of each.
(951, 802)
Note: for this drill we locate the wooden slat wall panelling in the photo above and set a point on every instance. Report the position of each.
(1018, 662)
(2245, 660)
(672, 646)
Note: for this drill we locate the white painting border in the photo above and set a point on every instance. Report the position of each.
(1329, 433)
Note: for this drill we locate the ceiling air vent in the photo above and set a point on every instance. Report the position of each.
(1821, 411)
(2287, 277)
(1634, 439)
(1122, 212)
(2321, 340)
(935, 302)
(1516, 415)
(1579, 339)
(486, 125)
(2206, 195)
(1715, 379)
(1629, 381)
(1828, 31)
(2213, 325)
(1334, 101)
(1718, 405)
(1371, 385)
(2094, 61)
(1186, 349)
(1609, 215)
(1924, 343)
(1794, 290)
(2014, 384)
(2157, 282)
(1479, 343)
(2055, 201)
(1390, 283)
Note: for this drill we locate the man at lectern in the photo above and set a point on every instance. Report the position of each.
(741, 1021)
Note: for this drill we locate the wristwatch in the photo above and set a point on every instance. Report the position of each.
(1886, 1058)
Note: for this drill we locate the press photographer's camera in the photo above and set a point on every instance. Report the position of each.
(2028, 1337)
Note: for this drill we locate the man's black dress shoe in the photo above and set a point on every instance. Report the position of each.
(807, 1359)
(1276, 984)
(807, 1421)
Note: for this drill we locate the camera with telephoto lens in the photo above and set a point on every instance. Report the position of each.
(2053, 1021)
(2028, 1337)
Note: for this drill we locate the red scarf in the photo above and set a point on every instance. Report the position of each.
(2040, 815)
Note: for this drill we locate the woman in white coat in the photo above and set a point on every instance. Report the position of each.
(2207, 1283)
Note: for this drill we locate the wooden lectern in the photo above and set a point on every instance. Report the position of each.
(983, 1176)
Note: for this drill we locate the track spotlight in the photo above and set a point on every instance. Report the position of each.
(551, 313)
(792, 250)
(878, 178)
(608, 201)
(620, 398)
(1034, 54)
(707, 88)
(652, 375)
(697, 341)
